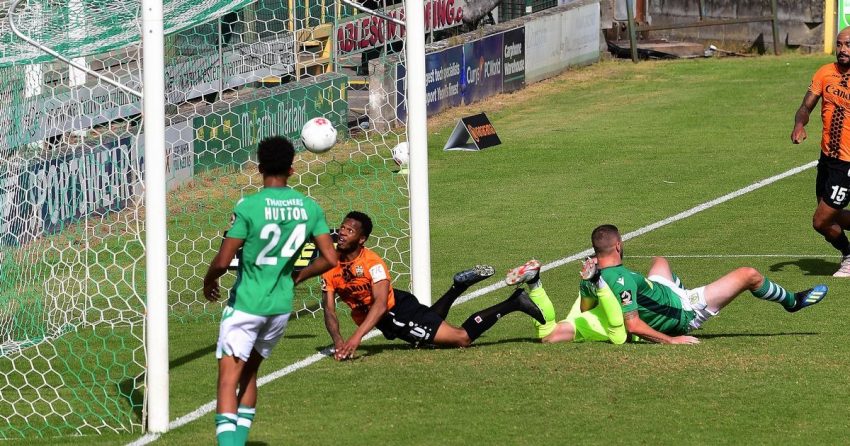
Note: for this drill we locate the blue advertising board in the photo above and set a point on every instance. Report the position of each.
(443, 76)
(46, 195)
(482, 70)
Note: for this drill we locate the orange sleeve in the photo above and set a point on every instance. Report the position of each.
(327, 283)
(816, 87)
(376, 269)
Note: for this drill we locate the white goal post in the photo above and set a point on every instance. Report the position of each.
(93, 154)
(417, 131)
(156, 243)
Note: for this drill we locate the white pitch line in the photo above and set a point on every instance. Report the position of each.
(739, 256)
(210, 406)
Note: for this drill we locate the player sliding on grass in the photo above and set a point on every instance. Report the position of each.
(362, 280)
(655, 308)
(271, 226)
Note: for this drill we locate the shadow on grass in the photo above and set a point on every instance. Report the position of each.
(299, 336)
(256, 443)
(372, 349)
(201, 352)
(528, 340)
(809, 266)
(187, 358)
(753, 335)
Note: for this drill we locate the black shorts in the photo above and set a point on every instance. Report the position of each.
(409, 320)
(833, 182)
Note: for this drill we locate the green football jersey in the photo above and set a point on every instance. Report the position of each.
(656, 304)
(274, 223)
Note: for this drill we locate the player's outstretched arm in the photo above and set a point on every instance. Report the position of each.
(801, 118)
(327, 259)
(380, 296)
(332, 322)
(219, 265)
(636, 326)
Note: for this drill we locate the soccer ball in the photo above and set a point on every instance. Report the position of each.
(318, 135)
(401, 154)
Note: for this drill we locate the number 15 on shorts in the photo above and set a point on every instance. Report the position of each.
(838, 194)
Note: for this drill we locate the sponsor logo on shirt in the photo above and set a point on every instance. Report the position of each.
(378, 273)
(626, 297)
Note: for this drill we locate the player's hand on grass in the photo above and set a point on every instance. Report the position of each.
(684, 340)
(798, 135)
(211, 290)
(346, 351)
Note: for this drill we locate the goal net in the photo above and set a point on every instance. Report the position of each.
(72, 163)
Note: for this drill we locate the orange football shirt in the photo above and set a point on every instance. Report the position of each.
(352, 282)
(831, 86)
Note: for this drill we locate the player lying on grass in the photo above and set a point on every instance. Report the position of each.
(655, 308)
(271, 226)
(363, 282)
(595, 315)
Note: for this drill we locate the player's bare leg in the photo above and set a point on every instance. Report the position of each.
(827, 221)
(563, 332)
(724, 290)
(660, 267)
(842, 218)
(248, 380)
(229, 373)
(451, 336)
(247, 397)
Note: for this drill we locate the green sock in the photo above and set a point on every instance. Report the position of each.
(225, 429)
(243, 424)
(677, 280)
(773, 292)
(541, 299)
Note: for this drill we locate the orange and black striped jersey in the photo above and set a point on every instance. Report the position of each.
(832, 87)
(352, 282)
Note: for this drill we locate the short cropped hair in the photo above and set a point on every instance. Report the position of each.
(604, 237)
(365, 221)
(275, 155)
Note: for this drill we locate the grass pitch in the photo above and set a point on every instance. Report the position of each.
(613, 143)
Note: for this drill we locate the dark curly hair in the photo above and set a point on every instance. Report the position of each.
(365, 221)
(275, 155)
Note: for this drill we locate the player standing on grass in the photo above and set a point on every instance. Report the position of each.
(657, 310)
(363, 282)
(270, 226)
(832, 185)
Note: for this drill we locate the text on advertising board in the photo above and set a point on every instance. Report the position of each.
(365, 32)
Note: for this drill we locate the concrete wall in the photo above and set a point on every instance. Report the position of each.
(800, 22)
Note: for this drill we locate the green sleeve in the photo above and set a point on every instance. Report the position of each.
(321, 226)
(239, 228)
